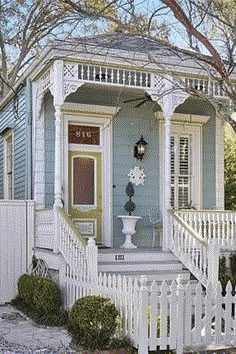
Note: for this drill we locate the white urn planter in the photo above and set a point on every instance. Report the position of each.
(129, 225)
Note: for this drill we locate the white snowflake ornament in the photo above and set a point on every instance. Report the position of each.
(137, 176)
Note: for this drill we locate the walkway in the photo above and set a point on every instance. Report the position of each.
(18, 334)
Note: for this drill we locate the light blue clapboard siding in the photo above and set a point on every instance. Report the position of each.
(49, 151)
(17, 119)
(127, 129)
(128, 126)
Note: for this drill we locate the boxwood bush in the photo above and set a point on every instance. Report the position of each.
(40, 298)
(92, 321)
(26, 285)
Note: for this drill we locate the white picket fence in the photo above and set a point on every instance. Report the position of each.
(160, 317)
(155, 317)
(16, 242)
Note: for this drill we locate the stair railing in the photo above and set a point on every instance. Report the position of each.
(79, 254)
(212, 224)
(198, 255)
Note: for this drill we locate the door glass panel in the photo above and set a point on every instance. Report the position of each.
(83, 181)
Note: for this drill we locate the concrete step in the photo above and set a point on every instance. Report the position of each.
(134, 255)
(158, 276)
(143, 266)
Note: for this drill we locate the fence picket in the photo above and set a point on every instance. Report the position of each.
(188, 315)
(198, 313)
(218, 313)
(173, 314)
(208, 314)
(227, 314)
(163, 316)
(153, 314)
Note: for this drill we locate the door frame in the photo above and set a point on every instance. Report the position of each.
(101, 116)
(189, 125)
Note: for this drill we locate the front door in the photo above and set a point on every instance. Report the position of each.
(85, 192)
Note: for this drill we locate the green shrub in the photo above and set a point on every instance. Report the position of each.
(26, 285)
(40, 298)
(92, 322)
(47, 296)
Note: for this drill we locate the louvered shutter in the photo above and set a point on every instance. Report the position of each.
(180, 171)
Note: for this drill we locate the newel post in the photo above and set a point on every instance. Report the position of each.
(143, 317)
(92, 259)
(213, 254)
(180, 314)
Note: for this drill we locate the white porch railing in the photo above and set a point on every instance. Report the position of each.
(212, 225)
(77, 253)
(198, 255)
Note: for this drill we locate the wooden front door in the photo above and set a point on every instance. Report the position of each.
(85, 192)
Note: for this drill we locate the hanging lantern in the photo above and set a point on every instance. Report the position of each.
(139, 148)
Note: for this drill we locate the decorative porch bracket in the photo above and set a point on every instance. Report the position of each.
(168, 93)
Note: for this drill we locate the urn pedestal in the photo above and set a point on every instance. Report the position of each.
(129, 225)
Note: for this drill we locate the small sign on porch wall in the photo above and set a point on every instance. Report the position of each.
(82, 134)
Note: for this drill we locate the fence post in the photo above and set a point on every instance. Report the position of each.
(213, 263)
(143, 317)
(180, 314)
(92, 258)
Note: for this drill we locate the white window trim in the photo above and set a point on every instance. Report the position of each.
(9, 133)
(195, 131)
(84, 207)
(96, 116)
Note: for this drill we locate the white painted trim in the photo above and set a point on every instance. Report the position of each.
(39, 160)
(9, 133)
(196, 136)
(80, 207)
(185, 118)
(105, 122)
(219, 153)
(90, 109)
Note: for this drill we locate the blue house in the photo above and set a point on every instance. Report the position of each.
(68, 134)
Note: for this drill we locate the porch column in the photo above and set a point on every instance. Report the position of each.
(58, 165)
(58, 93)
(169, 93)
(167, 182)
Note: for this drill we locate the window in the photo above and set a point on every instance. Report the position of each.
(8, 165)
(180, 148)
(83, 181)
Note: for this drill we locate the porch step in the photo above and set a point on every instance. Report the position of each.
(157, 275)
(131, 255)
(154, 264)
(136, 266)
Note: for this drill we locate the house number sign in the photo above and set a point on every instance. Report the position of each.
(85, 135)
